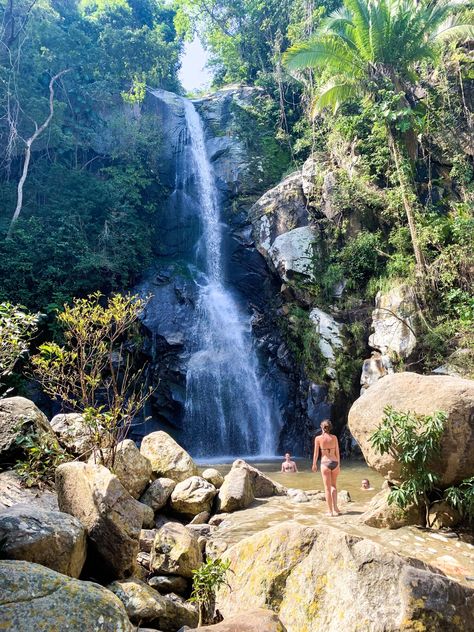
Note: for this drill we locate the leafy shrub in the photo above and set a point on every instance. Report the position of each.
(92, 372)
(43, 454)
(461, 498)
(414, 440)
(207, 580)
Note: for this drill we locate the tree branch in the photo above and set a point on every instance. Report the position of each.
(29, 142)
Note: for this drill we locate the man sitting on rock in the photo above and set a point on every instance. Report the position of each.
(288, 465)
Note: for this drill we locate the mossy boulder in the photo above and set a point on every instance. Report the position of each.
(33, 597)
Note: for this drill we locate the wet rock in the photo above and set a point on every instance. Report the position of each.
(73, 433)
(12, 492)
(165, 584)
(321, 578)
(18, 416)
(213, 476)
(258, 620)
(393, 322)
(297, 496)
(262, 485)
(424, 395)
(193, 496)
(442, 515)
(167, 458)
(175, 551)
(343, 496)
(157, 494)
(131, 467)
(51, 538)
(33, 597)
(145, 605)
(236, 491)
(111, 517)
(384, 516)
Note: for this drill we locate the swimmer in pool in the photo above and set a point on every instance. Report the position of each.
(288, 465)
(365, 485)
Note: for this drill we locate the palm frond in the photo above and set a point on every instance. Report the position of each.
(455, 28)
(333, 95)
(326, 51)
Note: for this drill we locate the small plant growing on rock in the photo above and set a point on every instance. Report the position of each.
(43, 454)
(92, 372)
(415, 441)
(207, 580)
(462, 498)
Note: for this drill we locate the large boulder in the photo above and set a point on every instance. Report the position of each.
(175, 551)
(384, 516)
(262, 485)
(132, 468)
(54, 539)
(193, 496)
(18, 416)
(393, 322)
(322, 578)
(145, 605)
(13, 492)
(236, 491)
(73, 433)
(167, 458)
(111, 517)
(157, 494)
(257, 620)
(292, 254)
(421, 394)
(33, 597)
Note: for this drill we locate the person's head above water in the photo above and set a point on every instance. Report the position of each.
(365, 484)
(287, 456)
(326, 426)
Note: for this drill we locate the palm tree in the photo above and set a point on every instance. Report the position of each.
(370, 47)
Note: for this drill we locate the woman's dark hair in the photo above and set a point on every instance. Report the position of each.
(326, 422)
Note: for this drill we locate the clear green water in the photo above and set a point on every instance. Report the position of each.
(352, 473)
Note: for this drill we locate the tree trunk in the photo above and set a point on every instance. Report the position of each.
(29, 142)
(420, 261)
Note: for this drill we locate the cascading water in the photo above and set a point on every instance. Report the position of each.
(227, 411)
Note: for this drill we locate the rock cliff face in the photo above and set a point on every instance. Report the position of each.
(273, 238)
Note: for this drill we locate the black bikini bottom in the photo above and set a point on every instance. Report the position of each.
(331, 465)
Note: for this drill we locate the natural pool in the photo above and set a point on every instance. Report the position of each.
(352, 473)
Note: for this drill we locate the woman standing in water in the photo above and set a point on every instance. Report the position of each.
(330, 464)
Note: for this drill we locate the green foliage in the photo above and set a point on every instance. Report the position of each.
(17, 327)
(43, 454)
(303, 340)
(92, 371)
(414, 441)
(461, 497)
(207, 580)
(92, 189)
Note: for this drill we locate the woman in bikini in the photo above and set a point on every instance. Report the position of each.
(330, 464)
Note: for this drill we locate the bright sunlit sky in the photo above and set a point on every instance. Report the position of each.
(193, 75)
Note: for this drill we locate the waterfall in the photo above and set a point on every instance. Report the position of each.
(227, 411)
